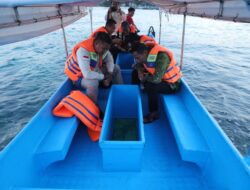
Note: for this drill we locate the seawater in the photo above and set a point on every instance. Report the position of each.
(216, 67)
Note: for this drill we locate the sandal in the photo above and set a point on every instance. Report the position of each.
(151, 117)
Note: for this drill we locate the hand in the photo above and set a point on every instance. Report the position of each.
(107, 80)
(140, 75)
(117, 41)
(122, 49)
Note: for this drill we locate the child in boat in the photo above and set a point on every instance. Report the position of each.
(157, 70)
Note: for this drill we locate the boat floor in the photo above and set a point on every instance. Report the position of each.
(162, 167)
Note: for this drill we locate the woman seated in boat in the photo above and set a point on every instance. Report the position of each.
(109, 28)
(91, 63)
(156, 69)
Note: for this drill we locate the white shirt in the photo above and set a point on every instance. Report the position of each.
(83, 59)
(119, 17)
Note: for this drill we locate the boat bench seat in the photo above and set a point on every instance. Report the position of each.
(55, 144)
(190, 142)
(125, 61)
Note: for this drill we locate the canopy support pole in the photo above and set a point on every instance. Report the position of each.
(160, 18)
(64, 35)
(182, 41)
(64, 38)
(17, 15)
(91, 20)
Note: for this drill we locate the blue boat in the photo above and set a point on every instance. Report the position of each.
(184, 149)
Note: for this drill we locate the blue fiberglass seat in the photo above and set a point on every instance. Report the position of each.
(55, 145)
(191, 143)
(59, 133)
(125, 61)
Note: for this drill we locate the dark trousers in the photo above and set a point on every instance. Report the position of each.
(153, 90)
(114, 51)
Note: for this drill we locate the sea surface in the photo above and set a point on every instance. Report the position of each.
(216, 67)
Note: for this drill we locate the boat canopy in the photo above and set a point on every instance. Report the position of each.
(24, 19)
(232, 10)
(15, 3)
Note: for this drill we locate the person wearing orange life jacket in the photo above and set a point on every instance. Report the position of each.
(125, 29)
(148, 41)
(123, 40)
(86, 64)
(157, 69)
(109, 28)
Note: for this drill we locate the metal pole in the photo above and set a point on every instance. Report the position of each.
(91, 20)
(160, 17)
(183, 37)
(64, 38)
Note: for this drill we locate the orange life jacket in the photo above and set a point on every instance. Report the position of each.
(80, 105)
(132, 29)
(172, 73)
(148, 41)
(72, 69)
(101, 29)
